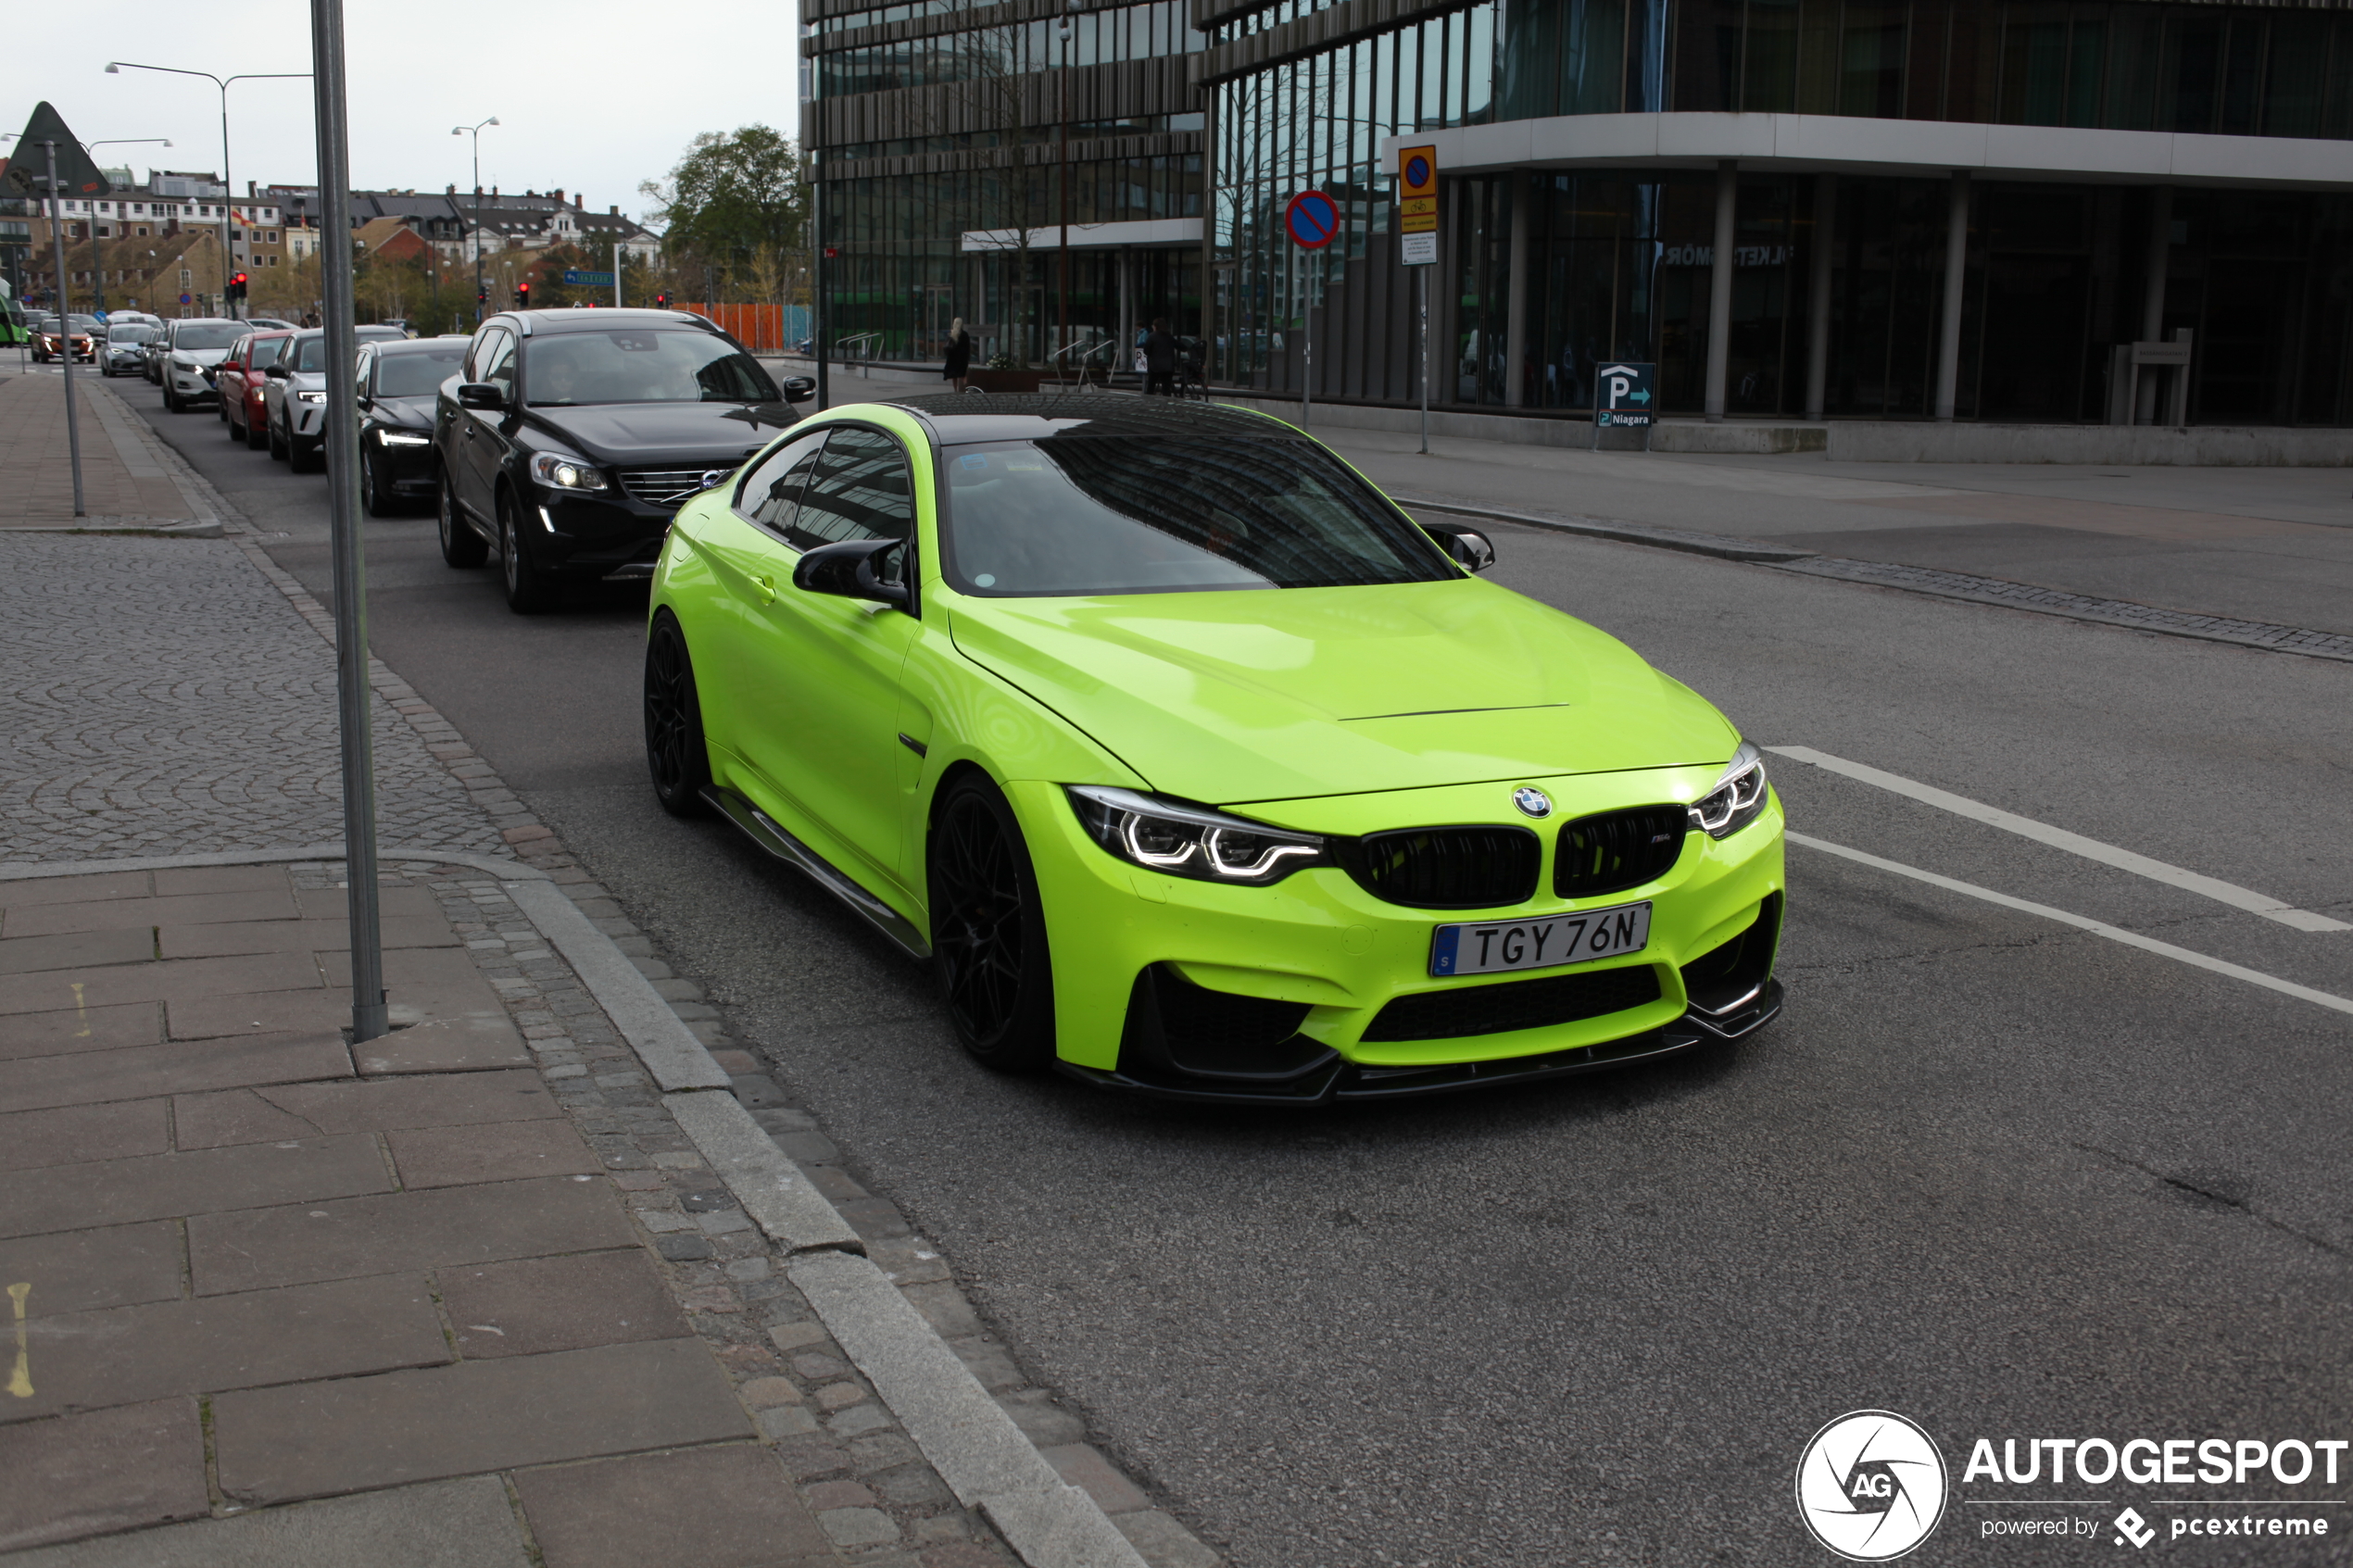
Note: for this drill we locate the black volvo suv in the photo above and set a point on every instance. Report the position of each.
(569, 438)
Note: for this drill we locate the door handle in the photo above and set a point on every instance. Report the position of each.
(767, 590)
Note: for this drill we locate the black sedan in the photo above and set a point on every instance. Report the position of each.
(398, 384)
(572, 435)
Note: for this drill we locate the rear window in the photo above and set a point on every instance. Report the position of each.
(418, 375)
(133, 333)
(208, 334)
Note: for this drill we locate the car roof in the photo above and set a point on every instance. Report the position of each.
(999, 416)
(417, 346)
(568, 321)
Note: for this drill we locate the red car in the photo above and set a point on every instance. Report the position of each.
(240, 378)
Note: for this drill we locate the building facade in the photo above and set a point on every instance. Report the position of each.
(1872, 208)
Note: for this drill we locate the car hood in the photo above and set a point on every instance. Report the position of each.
(653, 432)
(1275, 695)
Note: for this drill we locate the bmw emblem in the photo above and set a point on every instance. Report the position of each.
(1531, 801)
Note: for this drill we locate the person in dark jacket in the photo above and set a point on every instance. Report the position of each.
(960, 355)
(1160, 360)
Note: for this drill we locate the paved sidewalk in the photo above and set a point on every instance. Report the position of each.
(502, 1296)
(121, 483)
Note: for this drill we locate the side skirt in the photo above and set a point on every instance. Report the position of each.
(764, 831)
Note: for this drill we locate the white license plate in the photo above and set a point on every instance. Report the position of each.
(1542, 941)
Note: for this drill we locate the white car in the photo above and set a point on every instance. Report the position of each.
(191, 346)
(293, 393)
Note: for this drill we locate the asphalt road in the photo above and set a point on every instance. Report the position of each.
(2008, 1177)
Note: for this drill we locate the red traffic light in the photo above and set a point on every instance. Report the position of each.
(522, 292)
(662, 302)
(238, 280)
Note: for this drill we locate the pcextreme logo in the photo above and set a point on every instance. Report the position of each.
(1870, 1485)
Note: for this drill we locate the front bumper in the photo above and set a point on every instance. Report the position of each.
(607, 535)
(190, 386)
(1190, 990)
(409, 470)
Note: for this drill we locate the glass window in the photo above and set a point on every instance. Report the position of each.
(417, 373)
(495, 364)
(643, 366)
(772, 490)
(207, 335)
(1153, 514)
(860, 491)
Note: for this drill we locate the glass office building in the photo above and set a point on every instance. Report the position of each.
(1884, 208)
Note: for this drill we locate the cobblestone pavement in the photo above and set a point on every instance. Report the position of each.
(2080, 606)
(160, 695)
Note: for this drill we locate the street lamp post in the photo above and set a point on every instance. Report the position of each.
(227, 187)
(97, 267)
(1062, 285)
(475, 132)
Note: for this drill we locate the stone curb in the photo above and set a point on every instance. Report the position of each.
(945, 1409)
(29, 871)
(1722, 547)
(975, 1445)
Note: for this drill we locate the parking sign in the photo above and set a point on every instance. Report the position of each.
(1417, 205)
(1622, 393)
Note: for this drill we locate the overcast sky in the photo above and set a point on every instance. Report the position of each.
(592, 95)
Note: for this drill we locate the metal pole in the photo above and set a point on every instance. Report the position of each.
(817, 289)
(65, 321)
(1307, 332)
(616, 274)
(1425, 276)
(1818, 297)
(228, 247)
(1062, 134)
(342, 497)
(1948, 337)
(1719, 291)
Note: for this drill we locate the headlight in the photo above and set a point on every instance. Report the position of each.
(1737, 797)
(564, 473)
(184, 364)
(1162, 835)
(403, 438)
(310, 397)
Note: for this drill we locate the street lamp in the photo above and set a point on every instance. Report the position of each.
(1072, 7)
(97, 267)
(228, 189)
(475, 132)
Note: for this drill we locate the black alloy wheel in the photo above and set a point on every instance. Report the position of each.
(460, 546)
(236, 431)
(988, 931)
(171, 402)
(677, 754)
(527, 592)
(255, 439)
(374, 494)
(277, 442)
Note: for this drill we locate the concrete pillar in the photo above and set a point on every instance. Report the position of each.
(1515, 307)
(2160, 258)
(1719, 290)
(1818, 297)
(1948, 337)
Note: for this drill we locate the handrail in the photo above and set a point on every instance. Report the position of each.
(842, 346)
(1083, 349)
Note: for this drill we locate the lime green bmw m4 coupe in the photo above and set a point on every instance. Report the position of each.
(1194, 766)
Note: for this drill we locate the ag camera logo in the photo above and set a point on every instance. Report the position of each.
(1870, 1485)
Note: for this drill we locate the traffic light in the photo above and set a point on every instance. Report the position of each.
(237, 287)
(662, 302)
(522, 296)
(481, 296)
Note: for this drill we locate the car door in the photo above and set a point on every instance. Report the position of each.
(828, 735)
(744, 550)
(482, 441)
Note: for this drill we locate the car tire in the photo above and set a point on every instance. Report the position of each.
(528, 592)
(170, 404)
(460, 546)
(236, 431)
(277, 443)
(374, 495)
(677, 754)
(988, 931)
(255, 439)
(302, 457)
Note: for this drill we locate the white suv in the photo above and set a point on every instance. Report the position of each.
(191, 346)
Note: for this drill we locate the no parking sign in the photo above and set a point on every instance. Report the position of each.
(1313, 219)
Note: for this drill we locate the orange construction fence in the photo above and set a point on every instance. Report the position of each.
(763, 329)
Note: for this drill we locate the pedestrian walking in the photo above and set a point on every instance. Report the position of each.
(960, 355)
(1160, 360)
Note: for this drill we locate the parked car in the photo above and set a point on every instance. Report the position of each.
(193, 346)
(240, 379)
(272, 324)
(157, 348)
(407, 328)
(594, 425)
(398, 384)
(295, 394)
(126, 351)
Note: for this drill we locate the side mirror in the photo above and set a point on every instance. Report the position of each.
(800, 389)
(847, 569)
(1469, 546)
(277, 373)
(481, 394)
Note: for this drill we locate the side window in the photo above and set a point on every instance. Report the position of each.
(364, 371)
(772, 490)
(478, 353)
(861, 491)
(499, 363)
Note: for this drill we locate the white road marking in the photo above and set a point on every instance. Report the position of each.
(2074, 844)
(2098, 928)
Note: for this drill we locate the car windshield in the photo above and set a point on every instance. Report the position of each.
(310, 354)
(130, 333)
(208, 334)
(420, 375)
(1158, 514)
(83, 324)
(642, 365)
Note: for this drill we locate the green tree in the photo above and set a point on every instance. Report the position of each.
(738, 203)
(549, 291)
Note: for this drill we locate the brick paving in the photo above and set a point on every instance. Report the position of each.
(258, 1266)
(117, 486)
